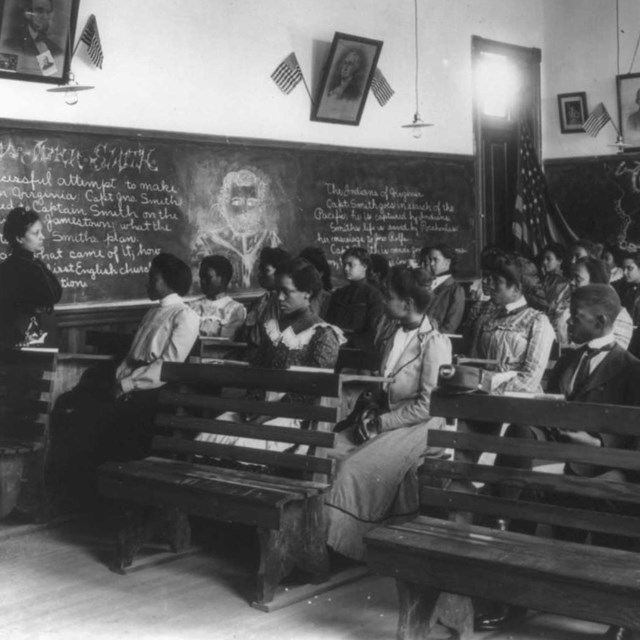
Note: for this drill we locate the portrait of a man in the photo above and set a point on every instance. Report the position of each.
(347, 77)
(633, 119)
(35, 33)
(629, 108)
(241, 221)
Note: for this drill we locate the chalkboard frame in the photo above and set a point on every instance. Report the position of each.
(84, 313)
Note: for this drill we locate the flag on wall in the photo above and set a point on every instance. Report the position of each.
(381, 88)
(91, 38)
(288, 74)
(596, 120)
(537, 221)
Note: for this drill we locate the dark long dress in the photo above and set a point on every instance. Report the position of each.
(28, 290)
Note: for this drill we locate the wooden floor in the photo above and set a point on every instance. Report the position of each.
(54, 585)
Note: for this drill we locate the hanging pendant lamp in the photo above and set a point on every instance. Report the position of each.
(417, 125)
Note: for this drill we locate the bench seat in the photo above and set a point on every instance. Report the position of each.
(441, 565)
(250, 472)
(238, 495)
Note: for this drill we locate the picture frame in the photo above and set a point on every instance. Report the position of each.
(36, 38)
(628, 90)
(346, 79)
(572, 108)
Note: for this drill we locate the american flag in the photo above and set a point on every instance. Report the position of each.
(381, 88)
(596, 120)
(91, 38)
(537, 221)
(288, 74)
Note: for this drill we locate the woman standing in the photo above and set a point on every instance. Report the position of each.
(28, 289)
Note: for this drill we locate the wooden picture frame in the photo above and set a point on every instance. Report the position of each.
(628, 89)
(346, 79)
(572, 109)
(36, 39)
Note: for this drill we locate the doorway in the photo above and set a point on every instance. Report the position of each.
(506, 80)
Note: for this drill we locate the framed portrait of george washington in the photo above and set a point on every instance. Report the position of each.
(36, 39)
(346, 79)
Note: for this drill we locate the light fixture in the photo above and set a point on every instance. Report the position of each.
(620, 144)
(417, 124)
(70, 89)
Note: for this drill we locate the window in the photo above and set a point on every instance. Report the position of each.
(497, 85)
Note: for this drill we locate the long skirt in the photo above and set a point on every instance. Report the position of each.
(376, 483)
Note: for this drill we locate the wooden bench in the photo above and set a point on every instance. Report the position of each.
(439, 565)
(281, 493)
(26, 383)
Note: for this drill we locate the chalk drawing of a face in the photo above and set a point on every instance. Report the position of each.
(245, 219)
(243, 202)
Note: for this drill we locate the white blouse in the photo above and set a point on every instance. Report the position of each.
(167, 334)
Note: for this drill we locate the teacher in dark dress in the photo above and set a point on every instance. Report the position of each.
(28, 289)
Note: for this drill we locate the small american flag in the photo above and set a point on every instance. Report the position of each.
(91, 38)
(596, 120)
(381, 88)
(287, 75)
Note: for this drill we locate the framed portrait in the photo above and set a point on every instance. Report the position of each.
(572, 108)
(36, 39)
(346, 78)
(629, 109)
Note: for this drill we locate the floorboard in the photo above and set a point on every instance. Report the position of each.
(55, 585)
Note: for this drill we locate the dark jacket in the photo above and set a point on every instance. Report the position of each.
(616, 380)
(447, 306)
(27, 289)
(357, 309)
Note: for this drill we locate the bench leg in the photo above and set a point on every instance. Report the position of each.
(422, 607)
(417, 605)
(135, 529)
(176, 529)
(139, 525)
(276, 562)
(300, 542)
(314, 556)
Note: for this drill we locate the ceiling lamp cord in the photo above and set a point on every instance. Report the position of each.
(417, 124)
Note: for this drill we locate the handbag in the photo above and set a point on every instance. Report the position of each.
(364, 416)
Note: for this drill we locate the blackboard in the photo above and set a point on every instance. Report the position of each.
(599, 197)
(111, 199)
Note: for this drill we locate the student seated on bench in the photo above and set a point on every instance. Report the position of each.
(377, 477)
(511, 332)
(300, 338)
(601, 372)
(358, 306)
(111, 416)
(586, 271)
(220, 315)
(266, 306)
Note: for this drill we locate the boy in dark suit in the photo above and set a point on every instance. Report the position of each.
(600, 372)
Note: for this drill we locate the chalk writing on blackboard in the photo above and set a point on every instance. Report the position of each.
(100, 228)
(386, 220)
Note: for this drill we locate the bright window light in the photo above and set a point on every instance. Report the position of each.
(496, 85)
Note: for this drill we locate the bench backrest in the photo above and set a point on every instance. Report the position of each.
(26, 383)
(541, 488)
(198, 393)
